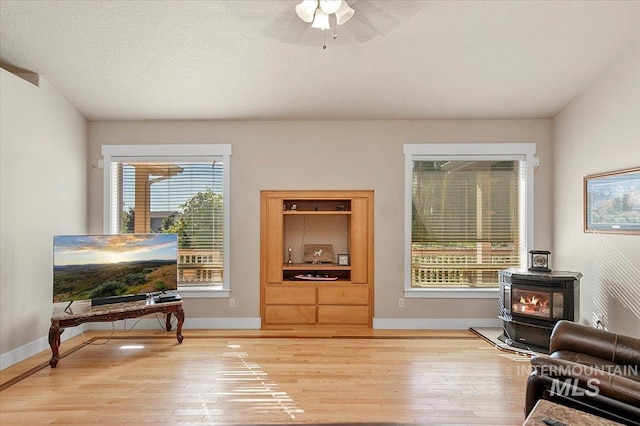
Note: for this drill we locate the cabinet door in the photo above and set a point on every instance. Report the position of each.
(290, 314)
(343, 295)
(357, 315)
(273, 243)
(289, 295)
(359, 240)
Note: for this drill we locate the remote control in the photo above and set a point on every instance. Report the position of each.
(552, 422)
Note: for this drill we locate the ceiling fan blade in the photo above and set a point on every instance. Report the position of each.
(374, 18)
(287, 28)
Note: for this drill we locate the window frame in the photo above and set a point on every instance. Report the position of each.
(465, 152)
(189, 152)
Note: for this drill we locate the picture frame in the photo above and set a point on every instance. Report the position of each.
(612, 202)
(343, 259)
(318, 253)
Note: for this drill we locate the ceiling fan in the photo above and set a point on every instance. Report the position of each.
(318, 13)
(362, 19)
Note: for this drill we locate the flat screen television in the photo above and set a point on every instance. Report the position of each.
(105, 268)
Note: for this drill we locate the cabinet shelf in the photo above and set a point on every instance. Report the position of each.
(340, 219)
(315, 267)
(319, 212)
(311, 282)
(316, 205)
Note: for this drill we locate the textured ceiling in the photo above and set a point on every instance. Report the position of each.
(207, 59)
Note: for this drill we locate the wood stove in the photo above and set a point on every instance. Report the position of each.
(532, 302)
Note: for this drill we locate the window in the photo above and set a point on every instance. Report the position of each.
(181, 189)
(467, 216)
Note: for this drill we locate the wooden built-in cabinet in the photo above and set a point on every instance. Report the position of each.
(292, 219)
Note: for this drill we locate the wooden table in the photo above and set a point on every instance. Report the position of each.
(81, 312)
(567, 415)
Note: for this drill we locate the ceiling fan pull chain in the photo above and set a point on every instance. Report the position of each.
(324, 39)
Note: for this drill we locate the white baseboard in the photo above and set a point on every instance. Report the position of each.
(223, 323)
(434, 323)
(30, 349)
(255, 323)
(189, 323)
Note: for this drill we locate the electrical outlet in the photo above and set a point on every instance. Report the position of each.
(232, 302)
(401, 302)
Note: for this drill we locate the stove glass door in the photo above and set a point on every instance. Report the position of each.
(533, 303)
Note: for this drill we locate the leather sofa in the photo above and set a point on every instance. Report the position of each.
(589, 369)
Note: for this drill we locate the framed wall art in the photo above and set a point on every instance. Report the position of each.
(612, 202)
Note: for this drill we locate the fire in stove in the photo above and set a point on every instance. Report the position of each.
(531, 303)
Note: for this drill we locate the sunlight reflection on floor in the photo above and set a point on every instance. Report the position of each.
(254, 387)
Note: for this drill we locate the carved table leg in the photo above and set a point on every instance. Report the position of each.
(167, 323)
(180, 315)
(54, 342)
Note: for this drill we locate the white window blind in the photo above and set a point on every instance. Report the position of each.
(466, 213)
(465, 222)
(185, 195)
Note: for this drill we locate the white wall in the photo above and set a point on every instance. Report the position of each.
(599, 132)
(43, 152)
(280, 155)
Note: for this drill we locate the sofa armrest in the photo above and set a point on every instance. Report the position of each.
(603, 344)
(592, 379)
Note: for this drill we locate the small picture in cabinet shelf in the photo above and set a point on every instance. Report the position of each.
(318, 253)
(343, 260)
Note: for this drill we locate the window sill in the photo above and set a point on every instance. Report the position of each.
(203, 292)
(452, 293)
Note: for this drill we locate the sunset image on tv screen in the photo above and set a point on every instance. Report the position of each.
(97, 266)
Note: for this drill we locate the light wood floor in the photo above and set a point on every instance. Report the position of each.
(259, 377)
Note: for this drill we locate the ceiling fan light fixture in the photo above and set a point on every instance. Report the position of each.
(321, 20)
(318, 11)
(330, 6)
(344, 13)
(306, 9)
